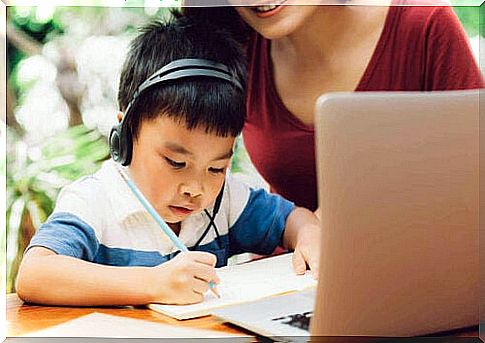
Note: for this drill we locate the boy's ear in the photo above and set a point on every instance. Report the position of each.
(119, 115)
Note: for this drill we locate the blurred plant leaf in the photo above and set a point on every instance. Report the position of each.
(470, 18)
(35, 175)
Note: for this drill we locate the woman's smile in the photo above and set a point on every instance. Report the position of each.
(264, 11)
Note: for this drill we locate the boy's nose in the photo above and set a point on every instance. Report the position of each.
(191, 188)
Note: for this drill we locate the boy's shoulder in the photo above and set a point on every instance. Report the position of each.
(91, 191)
(239, 195)
(93, 184)
(236, 194)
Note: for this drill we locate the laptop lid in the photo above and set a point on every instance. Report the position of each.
(398, 192)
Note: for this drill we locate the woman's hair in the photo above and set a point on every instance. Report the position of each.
(199, 102)
(222, 16)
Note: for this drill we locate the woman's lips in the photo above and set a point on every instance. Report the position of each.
(180, 210)
(265, 11)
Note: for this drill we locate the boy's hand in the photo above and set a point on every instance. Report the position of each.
(302, 234)
(307, 250)
(185, 279)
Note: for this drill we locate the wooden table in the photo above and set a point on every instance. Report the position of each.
(24, 319)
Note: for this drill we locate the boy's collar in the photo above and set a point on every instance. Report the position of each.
(127, 205)
(120, 194)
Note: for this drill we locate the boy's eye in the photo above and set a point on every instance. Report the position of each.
(217, 170)
(175, 164)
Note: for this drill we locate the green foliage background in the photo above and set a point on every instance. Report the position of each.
(470, 19)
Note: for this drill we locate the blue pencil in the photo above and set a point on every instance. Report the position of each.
(166, 229)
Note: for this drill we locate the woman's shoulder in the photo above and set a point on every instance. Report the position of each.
(436, 37)
(413, 23)
(415, 13)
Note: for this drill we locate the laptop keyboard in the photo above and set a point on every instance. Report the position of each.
(299, 320)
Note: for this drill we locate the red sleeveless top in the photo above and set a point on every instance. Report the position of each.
(420, 49)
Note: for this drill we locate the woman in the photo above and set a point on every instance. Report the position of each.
(296, 53)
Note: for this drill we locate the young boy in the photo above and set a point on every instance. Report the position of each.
(176, 138)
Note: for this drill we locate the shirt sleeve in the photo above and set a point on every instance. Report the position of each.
(66, 234)
(74, 228)
(449, 61)
(259, 227)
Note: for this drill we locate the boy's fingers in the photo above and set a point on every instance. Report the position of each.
(204, 257)
(299, 265)
(206, 273)
(216, 292)
(195, 298)
(215, 279)
(312, 261)
(200, 286)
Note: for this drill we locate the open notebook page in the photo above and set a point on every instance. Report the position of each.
(243, 283)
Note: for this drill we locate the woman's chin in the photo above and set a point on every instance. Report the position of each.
(282, 21)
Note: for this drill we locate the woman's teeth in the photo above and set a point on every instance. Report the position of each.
(266, 8)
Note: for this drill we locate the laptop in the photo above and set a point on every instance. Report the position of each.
(398, 177)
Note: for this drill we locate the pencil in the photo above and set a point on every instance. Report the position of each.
(165, 228)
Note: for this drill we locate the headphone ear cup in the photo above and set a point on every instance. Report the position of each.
(115, 143)
(121, 144)
(126, 144)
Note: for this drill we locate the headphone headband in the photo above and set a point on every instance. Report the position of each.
(120, 137)
(186, 63)
(186, 67)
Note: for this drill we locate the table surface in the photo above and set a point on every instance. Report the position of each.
(25, 319)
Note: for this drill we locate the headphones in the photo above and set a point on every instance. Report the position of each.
(120, 138)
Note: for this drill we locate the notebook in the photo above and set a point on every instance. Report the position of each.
(243, 283)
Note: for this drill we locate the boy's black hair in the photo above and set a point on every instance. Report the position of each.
(200, 102)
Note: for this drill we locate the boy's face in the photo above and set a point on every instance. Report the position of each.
(179, 171)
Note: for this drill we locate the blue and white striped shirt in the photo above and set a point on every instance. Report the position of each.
(98, 219)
